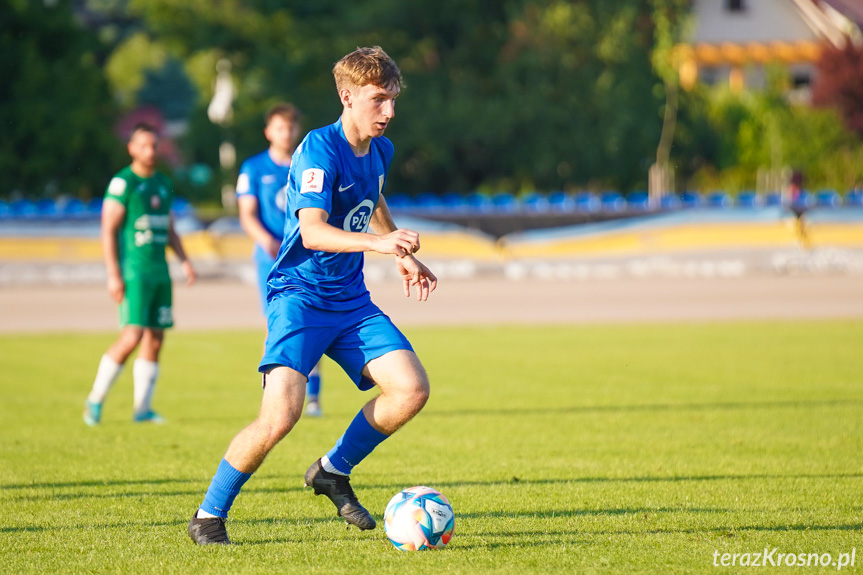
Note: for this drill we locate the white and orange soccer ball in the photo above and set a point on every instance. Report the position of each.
(419, 518)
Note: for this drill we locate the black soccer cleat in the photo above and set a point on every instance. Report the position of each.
(338, 489)
(208, 530)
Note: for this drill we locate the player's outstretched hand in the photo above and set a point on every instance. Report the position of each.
(116, 287)
(189, 272)
(399, 243)
(414, 273)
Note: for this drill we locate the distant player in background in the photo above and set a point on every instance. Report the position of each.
(318, 302)
(262, 200)
(136, 226)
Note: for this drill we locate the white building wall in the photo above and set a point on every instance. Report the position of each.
(761, 21)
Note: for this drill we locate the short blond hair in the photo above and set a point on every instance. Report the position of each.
(368, 65)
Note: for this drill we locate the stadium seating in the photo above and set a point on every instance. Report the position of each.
(478, 202)
(748, 199)
(534, 202)
(669, 202)
(827, 199)
(24, 209)
(504, 202)
(453, 201)
(429, 201)
(805, 199)
(181, 207)
(560, 201)
(93, 207)
(639, 201)
(612, 201)
(690, 199)
(71, 208)
(5, 211)
(773, 199)
(854, 198)
(586, 202)
(398, 201)
(719, 199)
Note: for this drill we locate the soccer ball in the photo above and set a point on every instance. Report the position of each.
(419, 518)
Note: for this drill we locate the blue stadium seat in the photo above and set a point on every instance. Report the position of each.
(399, 201)
(428, 201)
(478, 202)
(93, 207)
(453, 201)
(804, 199)
(72, 208)
(690, 199)
(23, 209)
(638, 200)
(182, 207)
(46, 208)
(854, 198)
(719, 199)
(560, 202)
(534, 202)
(5, 211)
(586, 202)
(669, 202)
(612, 201)
(773, 199)
(748, 199)
(504, 202)
(828, 199)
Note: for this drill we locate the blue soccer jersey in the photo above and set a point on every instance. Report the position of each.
(326, 174)
(267, 181)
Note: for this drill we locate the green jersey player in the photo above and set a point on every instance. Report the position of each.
(136, 226)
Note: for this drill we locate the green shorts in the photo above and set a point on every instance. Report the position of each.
(147, 302)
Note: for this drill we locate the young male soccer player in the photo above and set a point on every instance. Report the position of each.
(318, 302)
(136, 226)
(262, 200)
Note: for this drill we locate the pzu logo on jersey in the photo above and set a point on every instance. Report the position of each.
(358, 219)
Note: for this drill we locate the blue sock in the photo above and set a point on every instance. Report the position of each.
(313, 387)
(358, 441)
(225, 486)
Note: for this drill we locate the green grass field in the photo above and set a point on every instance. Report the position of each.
(563, 449)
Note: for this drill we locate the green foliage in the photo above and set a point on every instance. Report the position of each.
(645, 451)
(515, 95)
(55, 109)
(725, 138)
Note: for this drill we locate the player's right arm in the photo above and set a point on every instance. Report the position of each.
(113, 215)
(248, 204)
(319, 235)
(251, 224)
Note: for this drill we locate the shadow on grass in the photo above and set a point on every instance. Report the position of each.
(567, 537)
(513, 482)
(178, 523)
(657, 407)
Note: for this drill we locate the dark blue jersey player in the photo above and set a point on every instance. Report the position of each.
(262, 201)
(318, 304)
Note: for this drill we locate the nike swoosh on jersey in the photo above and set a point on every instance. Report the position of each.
(342, 189)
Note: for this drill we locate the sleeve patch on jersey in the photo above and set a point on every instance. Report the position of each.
(117, 186)
(243, 184)
(313, 181)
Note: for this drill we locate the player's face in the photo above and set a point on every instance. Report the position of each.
(282, 134)
(142, 147)
(373, 107)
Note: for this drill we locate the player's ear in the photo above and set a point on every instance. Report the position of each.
(346, 97)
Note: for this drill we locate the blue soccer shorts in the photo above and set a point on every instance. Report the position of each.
(298, 335)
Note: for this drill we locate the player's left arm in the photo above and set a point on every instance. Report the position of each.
(177, 245)
(412, 271)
